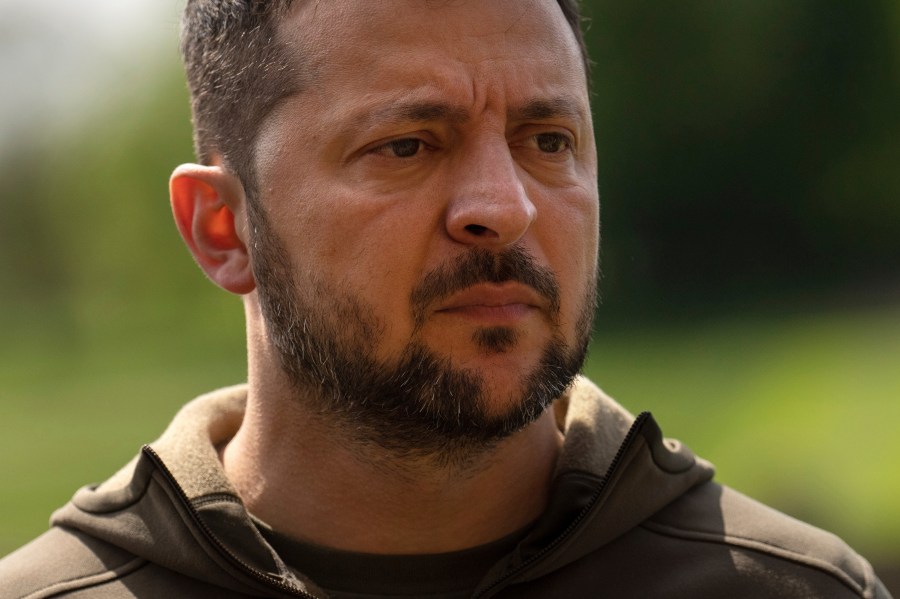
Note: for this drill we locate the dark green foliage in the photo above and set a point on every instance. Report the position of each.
(746, 146)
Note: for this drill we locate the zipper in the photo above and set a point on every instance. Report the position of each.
(613, 466)
(490, 589)
(254, 573)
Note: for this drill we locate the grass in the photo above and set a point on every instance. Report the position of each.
(800, 411)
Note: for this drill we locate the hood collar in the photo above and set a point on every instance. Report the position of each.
(614, 472)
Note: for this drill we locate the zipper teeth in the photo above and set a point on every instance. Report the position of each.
(613, 465)
(247, 568)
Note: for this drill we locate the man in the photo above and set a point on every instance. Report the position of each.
(404, 193)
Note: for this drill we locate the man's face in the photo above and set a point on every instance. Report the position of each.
(427, 214)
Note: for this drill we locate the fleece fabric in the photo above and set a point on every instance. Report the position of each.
(631, 515)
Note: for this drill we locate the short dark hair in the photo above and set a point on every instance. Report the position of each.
(238, 71)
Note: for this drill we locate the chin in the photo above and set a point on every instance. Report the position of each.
(504, 388)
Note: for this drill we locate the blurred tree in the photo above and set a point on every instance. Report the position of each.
(745, 145)
(87, 241)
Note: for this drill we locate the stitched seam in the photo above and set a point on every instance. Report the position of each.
(88, 581)
(215, 498)
(758, 546)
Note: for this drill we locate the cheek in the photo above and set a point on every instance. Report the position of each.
(382, 239)
(569, 218)
(570, 232)
(586, 213)
(368, 246)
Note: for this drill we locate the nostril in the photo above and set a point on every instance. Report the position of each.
(478, 230)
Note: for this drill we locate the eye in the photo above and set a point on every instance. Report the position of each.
(401, 148)
(552, 143)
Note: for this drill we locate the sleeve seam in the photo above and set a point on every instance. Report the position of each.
(761, 547)
(87, 581)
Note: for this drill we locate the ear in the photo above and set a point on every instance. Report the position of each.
(206, 202)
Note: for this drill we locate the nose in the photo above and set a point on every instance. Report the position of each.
(489, 205)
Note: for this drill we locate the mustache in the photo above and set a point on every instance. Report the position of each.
(479, 265)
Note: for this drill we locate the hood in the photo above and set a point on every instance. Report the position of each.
(615, 471)
(173, 505)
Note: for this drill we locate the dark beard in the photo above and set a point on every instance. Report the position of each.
(419, 406)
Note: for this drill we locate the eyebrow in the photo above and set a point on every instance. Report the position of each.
(424, 111)
(538, 110)
(412, 112)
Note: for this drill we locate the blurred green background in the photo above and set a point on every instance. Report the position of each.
(750, 188)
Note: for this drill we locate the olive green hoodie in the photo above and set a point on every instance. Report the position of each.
(631, 515)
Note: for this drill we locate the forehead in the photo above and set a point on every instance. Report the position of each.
(434, 19)
(403, 42)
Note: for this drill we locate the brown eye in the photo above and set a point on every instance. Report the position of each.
(404, 148)
(552, 143)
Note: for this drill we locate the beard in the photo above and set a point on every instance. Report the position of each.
(418, 405)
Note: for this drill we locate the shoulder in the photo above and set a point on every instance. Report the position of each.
(765, 545)
(68, 563)
(61, 561)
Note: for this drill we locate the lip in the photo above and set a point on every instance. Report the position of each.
(496, 302)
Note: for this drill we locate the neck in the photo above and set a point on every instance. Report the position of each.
(303, 478)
